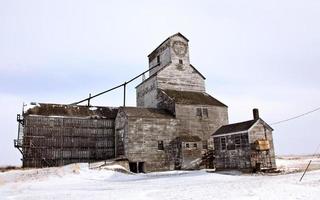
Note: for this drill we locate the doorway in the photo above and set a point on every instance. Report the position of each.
(136, 167)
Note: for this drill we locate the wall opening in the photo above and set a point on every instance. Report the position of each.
(160, 145)
(140, 167)
(158, 59)
(136, 167)
(133, 167)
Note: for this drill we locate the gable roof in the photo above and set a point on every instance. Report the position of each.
(162, 68)
(146, 112)
(47, 109)
(238, 127)
(177, 34)
(192, 98)
(204, 78)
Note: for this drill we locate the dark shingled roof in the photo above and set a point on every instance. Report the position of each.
(237, 127)
(189, 138)
(146, 112)
(192, 98)
(72, 111)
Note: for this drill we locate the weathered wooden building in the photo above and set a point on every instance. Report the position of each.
(169, 129)
(55, 134)
(172, 106)
(246, 145)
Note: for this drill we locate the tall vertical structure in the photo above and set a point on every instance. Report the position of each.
(170, 70)
(174, 117)
(177, 86)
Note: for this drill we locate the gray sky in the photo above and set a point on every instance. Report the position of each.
(263, 54)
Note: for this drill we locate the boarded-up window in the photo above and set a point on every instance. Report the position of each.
(199, 113)
(205, 112)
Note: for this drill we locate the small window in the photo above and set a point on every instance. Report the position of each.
(205, 112)
(223, 143)
(199, 113)
(195, 145)
(160, 145)
(237, 141)
(187, 145)
(158, 59)
(202, 112)
(180, 62)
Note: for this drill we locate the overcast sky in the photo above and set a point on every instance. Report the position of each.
(263, 54)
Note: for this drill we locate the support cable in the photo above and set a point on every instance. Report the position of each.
(123, 84)
(97, 95)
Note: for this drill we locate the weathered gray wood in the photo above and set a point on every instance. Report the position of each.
(54, 141)
(141, 136)
(260, 131)
(229, 155)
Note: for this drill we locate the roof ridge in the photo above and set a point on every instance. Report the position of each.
(235, 127)
(178, 33)
(241, 122)
(195, 69)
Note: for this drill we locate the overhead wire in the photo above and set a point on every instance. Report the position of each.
(295, 117)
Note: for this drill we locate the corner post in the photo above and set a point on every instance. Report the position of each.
(124, 94)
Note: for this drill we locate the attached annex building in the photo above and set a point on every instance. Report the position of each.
(169, 129)
(245, 145)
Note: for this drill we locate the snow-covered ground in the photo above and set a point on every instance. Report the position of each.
(77, 181)
(291, 164)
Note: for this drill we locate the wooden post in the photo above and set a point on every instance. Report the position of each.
(124, 94)
(89, 99)
(305, 170)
